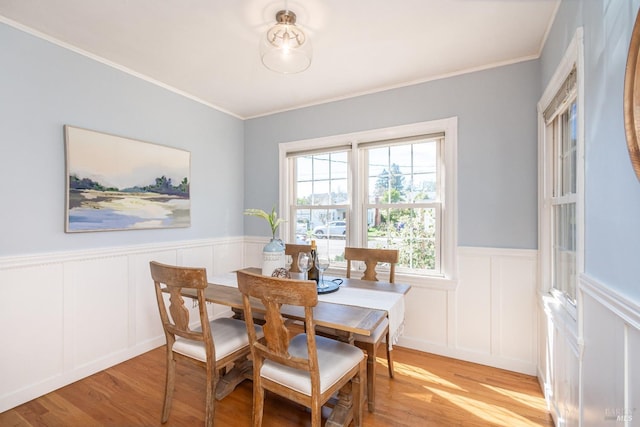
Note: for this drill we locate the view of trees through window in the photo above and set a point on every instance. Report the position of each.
(400, 202)
(403, 202)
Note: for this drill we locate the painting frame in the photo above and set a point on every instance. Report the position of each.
(116, 183)
(631, 98)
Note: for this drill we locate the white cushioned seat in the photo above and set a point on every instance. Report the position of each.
(228, 335)
(334, 358)
(375, 336)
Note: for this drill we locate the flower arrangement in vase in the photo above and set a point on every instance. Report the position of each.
(273, 252)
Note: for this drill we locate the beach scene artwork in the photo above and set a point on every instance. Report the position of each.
(117, 183)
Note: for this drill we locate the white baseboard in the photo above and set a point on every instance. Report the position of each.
(469, 356)
(32, 391)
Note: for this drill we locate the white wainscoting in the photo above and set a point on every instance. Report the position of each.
(68, 315)
(610, 381)
(559, 361)
(487, 317)
(74, 314)
(589, 366)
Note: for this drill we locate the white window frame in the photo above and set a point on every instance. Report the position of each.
(436, 204)
(573, 58)
(448, 126)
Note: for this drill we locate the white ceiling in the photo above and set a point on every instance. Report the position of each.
(208, 49)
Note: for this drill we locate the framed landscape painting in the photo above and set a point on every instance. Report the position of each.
(117, 183)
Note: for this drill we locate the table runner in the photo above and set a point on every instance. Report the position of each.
(391, 302)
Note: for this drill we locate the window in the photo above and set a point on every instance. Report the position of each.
(563, 201)
(320, 198)
(387, 188)
(562, 189)
(403, 202)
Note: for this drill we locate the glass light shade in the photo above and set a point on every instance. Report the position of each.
(285, 48)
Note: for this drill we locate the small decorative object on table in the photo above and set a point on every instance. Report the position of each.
(281, 273)
(273, 252)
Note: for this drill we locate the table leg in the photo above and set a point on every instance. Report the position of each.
(229, 381)
(342, 413)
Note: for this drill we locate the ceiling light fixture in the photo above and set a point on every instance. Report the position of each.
(285, 48)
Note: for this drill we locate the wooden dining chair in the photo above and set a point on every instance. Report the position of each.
(371, 258)
(306, 369)
(214, 345)
(294, 250)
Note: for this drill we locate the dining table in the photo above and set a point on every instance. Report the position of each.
(355, 306)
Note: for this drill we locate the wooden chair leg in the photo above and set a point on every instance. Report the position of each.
(258, 403)
(371, 376)
(169, 384)
(389, 356)
(316, 413)
(210, 409)
(358, 386)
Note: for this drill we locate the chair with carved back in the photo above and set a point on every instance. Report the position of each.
(371, 258)
(214, 345)
(306, 368)
(294, 250)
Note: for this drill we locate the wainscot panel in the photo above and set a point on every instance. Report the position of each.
(590, 374)
(610, 381)
(490, 312)
(98, 306)
(32, 315)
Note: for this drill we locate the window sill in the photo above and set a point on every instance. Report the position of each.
(563, 319)
(423, 282)
(428, 282)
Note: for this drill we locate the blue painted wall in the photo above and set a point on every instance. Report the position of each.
(612, 191)
(43, 87)
(497, 164)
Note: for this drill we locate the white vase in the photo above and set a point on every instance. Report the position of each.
(272, 256)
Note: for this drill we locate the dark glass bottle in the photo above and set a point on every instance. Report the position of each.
(313, 271)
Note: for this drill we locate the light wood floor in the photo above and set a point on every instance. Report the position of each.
(428, 390)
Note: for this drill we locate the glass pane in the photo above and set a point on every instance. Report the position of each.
(388, 185)
(424, 157)
(339, 192)
(339, 165)
(566, 155)
(334, 248)
(373, 194)
(400, 159)
(564, 249)
(321, 166)
(321, 179)
(567, 164)
(301, 226)
(329, 229)
(304, 190)
(556, 157)
(320, 223)
(403, 173)
(413, 231)
(573, 135)
(321, 194)
(378, 161)
(330, 224)
(423, 188)
(304, 169)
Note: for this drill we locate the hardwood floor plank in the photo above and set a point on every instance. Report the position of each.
(427, 390)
